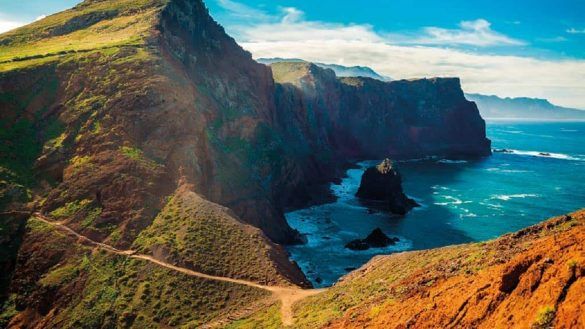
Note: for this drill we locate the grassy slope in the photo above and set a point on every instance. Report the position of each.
(402, 288)
(206, 237)
(287, 72)
(94, 289)
(89, 26)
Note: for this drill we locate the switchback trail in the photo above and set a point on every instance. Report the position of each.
(286, 295)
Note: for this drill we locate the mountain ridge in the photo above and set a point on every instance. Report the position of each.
(492, 106)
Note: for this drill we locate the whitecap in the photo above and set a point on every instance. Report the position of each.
(469, 214)
(453, 201)
(508, 197)
(540, 154)
(447, 161)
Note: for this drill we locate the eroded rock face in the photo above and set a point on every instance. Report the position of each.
(384, 184)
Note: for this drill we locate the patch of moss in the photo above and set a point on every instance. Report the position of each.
(70, 209)
(132, 152)
(64, 274)
(7, 311)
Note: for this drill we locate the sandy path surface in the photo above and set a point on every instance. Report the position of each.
(287, 296)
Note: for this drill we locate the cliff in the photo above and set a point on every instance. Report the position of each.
(125, 120)
(367, 118)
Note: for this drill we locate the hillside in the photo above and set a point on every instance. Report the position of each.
(523, 108)
(533, 278)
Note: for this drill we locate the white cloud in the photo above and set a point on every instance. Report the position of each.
(292, 15)
(472, 33)
(291, 36)
(7, 25)
(241, 12)
(40, 17)
(576, 31)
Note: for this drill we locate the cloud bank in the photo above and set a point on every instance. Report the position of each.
(434, 52)
(7, 25)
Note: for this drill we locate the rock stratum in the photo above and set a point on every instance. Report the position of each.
(140, 124)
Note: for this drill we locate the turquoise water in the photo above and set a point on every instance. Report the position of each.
(462, 201)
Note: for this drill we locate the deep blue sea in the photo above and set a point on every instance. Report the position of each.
(462, 201)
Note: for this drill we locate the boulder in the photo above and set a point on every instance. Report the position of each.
(383, 183)
(376, 239)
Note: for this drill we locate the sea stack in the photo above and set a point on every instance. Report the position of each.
(383, 183)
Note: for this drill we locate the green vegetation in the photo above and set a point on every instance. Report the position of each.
(8, 310)
(120, 293)
(132, 152)
(70, 209)
(11, 232)
(117, 291)
(87, 211)
(205, 236)
(545, 318)
(269, 318)
(64, 274)
(89, 26)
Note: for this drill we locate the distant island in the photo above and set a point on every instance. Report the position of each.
(492, 107)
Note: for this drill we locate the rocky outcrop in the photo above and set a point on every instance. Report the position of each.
(376, 239)
(384, 184)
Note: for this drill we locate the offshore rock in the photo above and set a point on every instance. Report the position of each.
(383, 183)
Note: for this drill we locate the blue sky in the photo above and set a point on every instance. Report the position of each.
(551, 29)
(509, 48)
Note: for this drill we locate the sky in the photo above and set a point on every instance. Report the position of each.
(520, 48)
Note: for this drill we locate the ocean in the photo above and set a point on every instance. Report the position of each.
(542, 174)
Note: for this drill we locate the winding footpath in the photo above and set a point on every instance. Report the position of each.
(287, 296)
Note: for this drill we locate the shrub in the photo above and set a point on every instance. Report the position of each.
(545, 318)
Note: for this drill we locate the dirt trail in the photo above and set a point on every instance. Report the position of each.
(286, 295)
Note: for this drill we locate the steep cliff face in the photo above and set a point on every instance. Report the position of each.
(367, 118)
